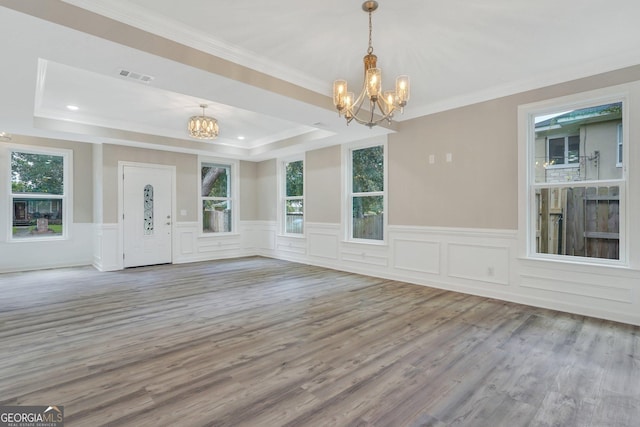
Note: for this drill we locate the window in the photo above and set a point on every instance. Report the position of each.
(40, 188)
(293, 203)
(619, 151)
(148, 209)
(575, 185)
(366, 189)
(563, 151)
(217, 198)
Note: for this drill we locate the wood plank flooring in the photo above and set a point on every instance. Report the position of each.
(262, 342)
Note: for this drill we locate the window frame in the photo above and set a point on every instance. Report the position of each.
(527, 175)
(66, 197)
(233, 199)
(283, 198)
(347, 216)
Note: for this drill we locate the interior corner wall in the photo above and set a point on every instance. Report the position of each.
(248, 194)
(323, 187)
(266, 190)
(98, 199)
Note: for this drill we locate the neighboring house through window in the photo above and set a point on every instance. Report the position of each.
(40, 192)
(576, 189)
(218, 192)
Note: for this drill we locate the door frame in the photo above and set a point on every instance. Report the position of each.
(121, 166)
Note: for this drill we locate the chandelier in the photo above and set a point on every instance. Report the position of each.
(203, 127)
(385, 104)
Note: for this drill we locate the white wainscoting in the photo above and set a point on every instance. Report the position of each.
(600, 291)
(479, 262)
(258, 237)
(475, 261)
(38, 254)
(189, 245)
(291, 247)
(413, 255)
(107, 252)
(323, 242)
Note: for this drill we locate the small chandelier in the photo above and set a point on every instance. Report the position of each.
(385, 103)
(203, 127)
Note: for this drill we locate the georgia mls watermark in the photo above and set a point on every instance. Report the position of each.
(32, 416)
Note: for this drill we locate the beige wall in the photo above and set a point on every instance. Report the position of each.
(323, 186)
(266, 190)
(186, 177)
(478, 189)
(248, 196)
(82, 172)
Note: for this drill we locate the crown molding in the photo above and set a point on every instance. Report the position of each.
(145, 20)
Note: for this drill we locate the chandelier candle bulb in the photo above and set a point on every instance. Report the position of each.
(348, 104)
(339, 94)
(390, 97)
(374, 78)
(402, 90)
(348, 100)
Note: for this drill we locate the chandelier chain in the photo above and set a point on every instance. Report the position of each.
(370, 49)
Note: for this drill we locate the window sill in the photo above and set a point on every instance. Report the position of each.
(380, 243)
(219, 235)
(564, 166)
(293, 236)
(38, 239)
(573, 261)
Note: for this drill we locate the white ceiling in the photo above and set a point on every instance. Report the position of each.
(457, 52)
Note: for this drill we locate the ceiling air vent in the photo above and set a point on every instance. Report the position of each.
(135, 76)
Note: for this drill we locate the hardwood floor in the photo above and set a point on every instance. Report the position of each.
(262, 342)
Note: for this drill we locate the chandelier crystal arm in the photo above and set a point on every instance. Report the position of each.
(381, 105)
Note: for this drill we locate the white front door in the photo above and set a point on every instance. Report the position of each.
(147, 207)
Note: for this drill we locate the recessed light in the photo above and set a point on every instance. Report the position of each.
(73, 107)
(241, 137)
